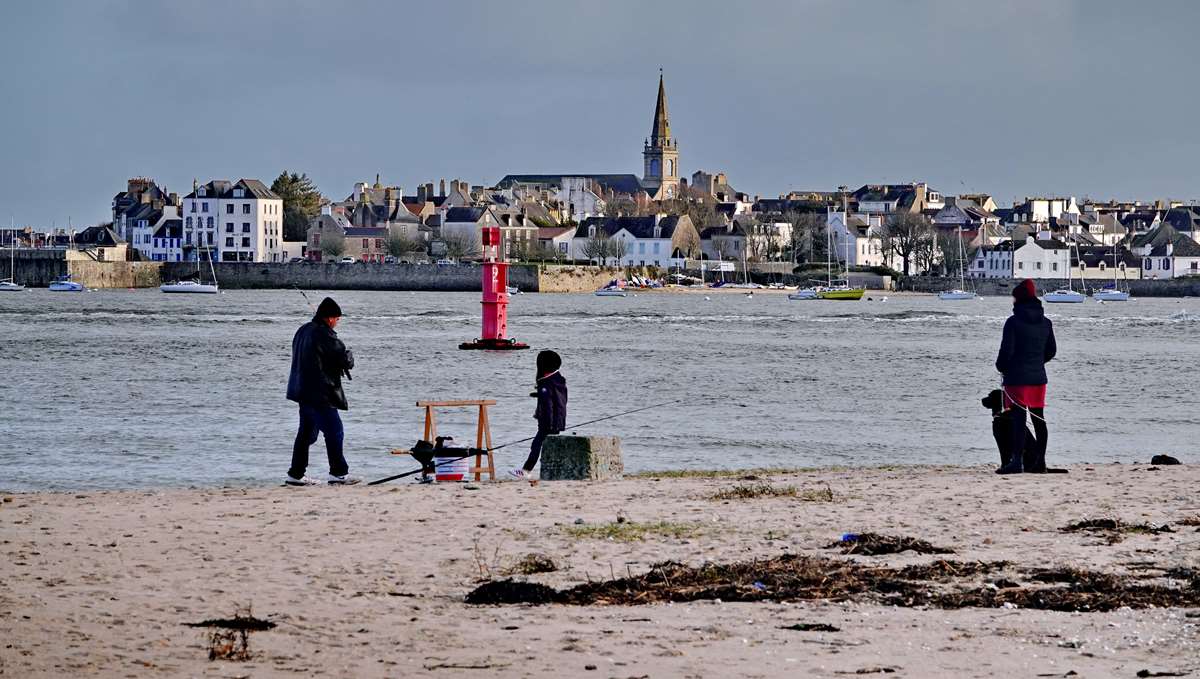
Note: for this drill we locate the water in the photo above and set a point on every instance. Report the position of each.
(127, 389)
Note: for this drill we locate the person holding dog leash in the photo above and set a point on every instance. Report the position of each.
(1027, 346)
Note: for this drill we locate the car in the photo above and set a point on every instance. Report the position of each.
(389, 260)
(446, 262)
(296, 260)
(347, 260)
(421, 262)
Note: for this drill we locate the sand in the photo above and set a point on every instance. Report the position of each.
(369, 581)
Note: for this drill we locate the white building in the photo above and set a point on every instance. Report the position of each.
(653, 240)
(233, 222)
(1041, 258)
(992, 261)
(579, 198)
(1167, 253)
(855, 238)
(166, 243)
(143, 226)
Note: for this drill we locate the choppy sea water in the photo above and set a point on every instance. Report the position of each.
(135, 389)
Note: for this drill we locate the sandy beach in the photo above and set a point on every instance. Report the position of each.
(370, 581)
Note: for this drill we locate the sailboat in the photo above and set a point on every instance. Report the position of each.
(1111, 292)
(65, 284)
(961, 292)
(194, 287)
(10, 284)
(1066, 295)
(838, 289)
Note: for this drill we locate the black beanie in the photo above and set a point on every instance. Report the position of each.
(328, 309)
(547, 362)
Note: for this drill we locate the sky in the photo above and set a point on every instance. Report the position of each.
(1084, 98)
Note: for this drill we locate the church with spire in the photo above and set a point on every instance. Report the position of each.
(660, 152)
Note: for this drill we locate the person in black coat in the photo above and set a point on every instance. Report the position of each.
(551, 413)
(319, 359)
(1027, 345)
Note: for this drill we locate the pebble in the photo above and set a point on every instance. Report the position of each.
(578, 522)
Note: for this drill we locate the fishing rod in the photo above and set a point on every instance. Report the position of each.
(306, 299)
(480, 451)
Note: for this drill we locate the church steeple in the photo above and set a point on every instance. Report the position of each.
(660, 133)
(661, 153)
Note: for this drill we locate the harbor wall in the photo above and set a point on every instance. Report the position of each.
(38, 268)
(357, 276)
(990, 287)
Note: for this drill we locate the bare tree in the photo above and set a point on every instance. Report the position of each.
(333, 244)
(689, 244)
(617, 249)
(399, 245)
(808, 236)
(597, 247)
(909, 235)
(462, 245)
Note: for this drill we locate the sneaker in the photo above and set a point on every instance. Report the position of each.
(303, 481)
(346, 480)
(519, 474)
(425, 479)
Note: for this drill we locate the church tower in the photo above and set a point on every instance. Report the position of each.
(661, 152)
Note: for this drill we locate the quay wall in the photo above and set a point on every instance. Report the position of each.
(989, 287)
(357, 276)
(38, 268)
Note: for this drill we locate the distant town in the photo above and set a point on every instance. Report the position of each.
(659, 219)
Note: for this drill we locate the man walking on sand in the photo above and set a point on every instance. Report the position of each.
(319, 359)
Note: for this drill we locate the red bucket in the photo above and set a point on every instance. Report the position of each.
(449, 469)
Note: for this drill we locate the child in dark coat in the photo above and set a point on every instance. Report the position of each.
(551, 413)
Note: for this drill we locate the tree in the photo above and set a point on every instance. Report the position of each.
(808, 236)
(689, 244)
(620, 206)
(301, 202)
(617, 247)
(952, 256)
(463, 245)
(399, 245)
(910, 236)
(597, 247)
(333, 245)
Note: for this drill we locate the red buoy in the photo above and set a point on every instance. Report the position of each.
(495, 298)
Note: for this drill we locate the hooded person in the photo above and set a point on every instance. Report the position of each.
(551, 412)
(319, 360)
(1027, 345)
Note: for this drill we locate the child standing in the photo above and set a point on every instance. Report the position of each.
(551, 413)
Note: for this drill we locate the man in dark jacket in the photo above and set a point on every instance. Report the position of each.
(551, 413)
(1027, 346)
(319, 359)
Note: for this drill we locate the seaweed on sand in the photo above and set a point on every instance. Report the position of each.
(872, 544)
(1114, 530)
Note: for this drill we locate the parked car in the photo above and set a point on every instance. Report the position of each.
(347, 260)
(389, 260)
(296, 260)
(446, 262)
(421, 262)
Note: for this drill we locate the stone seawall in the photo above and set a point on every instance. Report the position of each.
(38, 268)
(357, 276)
(997, 287)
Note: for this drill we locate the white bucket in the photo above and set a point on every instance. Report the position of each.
(448, 470)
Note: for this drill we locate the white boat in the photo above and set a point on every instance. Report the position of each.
(65, 284)
(513, 290)
(194, 287)
(8, 284)
(610, 292)
(1064, 296)
(802, 295)
(960, 292)
(956, 294)
(1110, 295)
(189, 286)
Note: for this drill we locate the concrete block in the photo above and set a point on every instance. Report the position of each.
(581, 458)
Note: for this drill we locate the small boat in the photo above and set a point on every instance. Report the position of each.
(1110, 295)
(1064, 296)
(610, 292)
(841, 292)
(513, 290)
(7, 285)
(956, 294)
(189, 287)
(805, 294)
(65, 284)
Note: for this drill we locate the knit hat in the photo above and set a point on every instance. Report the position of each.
(1025, 291)
(547, 362)
(328, 309)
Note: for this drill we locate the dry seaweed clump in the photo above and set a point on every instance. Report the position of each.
(632, 531)
(751, 491)
(1113, 530)
(941, 584)
(532, 564)
(229, 638)
(874, 544)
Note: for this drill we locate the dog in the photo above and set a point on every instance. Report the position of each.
(1002, 432)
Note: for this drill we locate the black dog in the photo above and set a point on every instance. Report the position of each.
(1002, 432)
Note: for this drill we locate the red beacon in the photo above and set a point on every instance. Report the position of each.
(495, 298)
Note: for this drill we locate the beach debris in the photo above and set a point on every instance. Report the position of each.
(1164, 460)
(229, 638)
(871, 670)
(750, 491)
(873, 544)
(1113, 530)
(532, 564)
(793, 577)
(811, 627)
(1151, 673)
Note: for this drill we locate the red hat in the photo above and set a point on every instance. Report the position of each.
(1025, 290)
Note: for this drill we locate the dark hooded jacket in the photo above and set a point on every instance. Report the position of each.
(1027, 346)
(319, 359)
(551, 410)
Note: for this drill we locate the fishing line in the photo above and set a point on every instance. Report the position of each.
(306, 299)
(481, 451)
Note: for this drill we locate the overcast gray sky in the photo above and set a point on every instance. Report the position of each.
(1013, 98)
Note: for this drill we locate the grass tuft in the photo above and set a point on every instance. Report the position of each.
(752, 491)
(632, 531)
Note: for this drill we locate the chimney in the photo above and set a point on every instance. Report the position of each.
(392, 200)
(359, 187)
(173, 199)
(442, 188)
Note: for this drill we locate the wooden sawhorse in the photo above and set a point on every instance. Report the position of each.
(483, 432)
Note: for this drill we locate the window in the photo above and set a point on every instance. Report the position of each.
(656, 248)
(1054, 266)
(1166, 264)
(238, 193)
(209, 222)
(193, 206)
(245, 208)
(228, 227)
(562, 247)
(204, 206)
(229, 208)
(1102, 266)
(208, 237)
(316, 239)
(245, 227)
(378, 243)
(188, 239)
(1020, 265)
(366, 242)
(641, 248)
(1147, 264)
(188, 222)
(1039, 266)
(229, 242)
(245, 242)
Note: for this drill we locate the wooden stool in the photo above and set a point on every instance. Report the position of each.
(483, 433)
